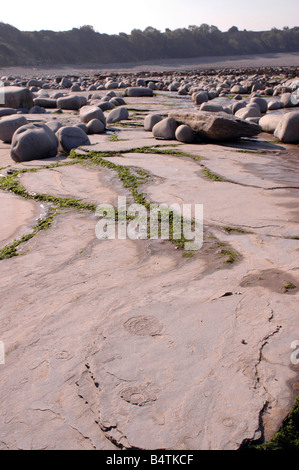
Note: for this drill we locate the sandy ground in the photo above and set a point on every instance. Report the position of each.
(121, 344)
(199, 63)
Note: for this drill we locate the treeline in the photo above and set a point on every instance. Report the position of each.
(84, 45)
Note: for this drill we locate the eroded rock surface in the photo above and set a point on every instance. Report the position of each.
(119, 344)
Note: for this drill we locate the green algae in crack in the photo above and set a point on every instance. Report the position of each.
(158, 150)
(127, 175)
(289, 287)
(11, 183)
(287, 438)
(189, 254)
(229, 253)
(212, 176)
(129, 124)
(235, 230)
(11, 250)
(115, 138)
(131, 179)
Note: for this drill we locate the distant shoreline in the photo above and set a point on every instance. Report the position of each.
(197, 63)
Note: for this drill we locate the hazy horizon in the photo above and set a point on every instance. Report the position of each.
(257, 16)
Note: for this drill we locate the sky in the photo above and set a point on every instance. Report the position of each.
(123, 16)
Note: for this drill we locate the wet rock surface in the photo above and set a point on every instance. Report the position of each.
(127, 344)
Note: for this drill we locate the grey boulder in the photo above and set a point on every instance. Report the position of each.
(138, 91)
(7, 112)
(71, 102)
(66, 83)
(37, 110)
(212, 108)
(165, 129)
(238, 105)
(150, 120)
(274, 104)
(288, 100)
(33, 142)
(87, 113)
(261, 102)
(288, 128)
(184, 134)
(71, 138)
(201, 97)
(238, 89)
(95, 126)
(17, 97)
(216, 126)
(118, 114)
(269, 122)
(248, 112)
(105, 105)
(45, 102)
(9, 125)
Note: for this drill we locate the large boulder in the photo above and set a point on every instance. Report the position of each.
(118, 114)
(288, 100)
(216, 126)
(239, 89)
(111, 84)
(71, 102)
(261, 102)
(33, 142)
(184, 134)
(37, 110)
(71, 137)
(35, 83)
(87, 113)
(9, 125)
(150, 120)
(201, 97)
(95, 126)
(211, 108)
(138, 91)
(274, 104)
(105, 105)
(248, 112)
(17, 97)
(288, 128)
(66, 83)
(269, 122)
(238, 105)
(117, 101)
(45, 103)
(7, 112)
(165, 129)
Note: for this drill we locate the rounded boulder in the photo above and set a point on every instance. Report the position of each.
(71, 102)
(9, 125)
(165, 129)
(95, 126)
(288, 128)
(71, 137)
(88, 113)
(33, 142)
(150, 121)
(118, 114)
(184, 134)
